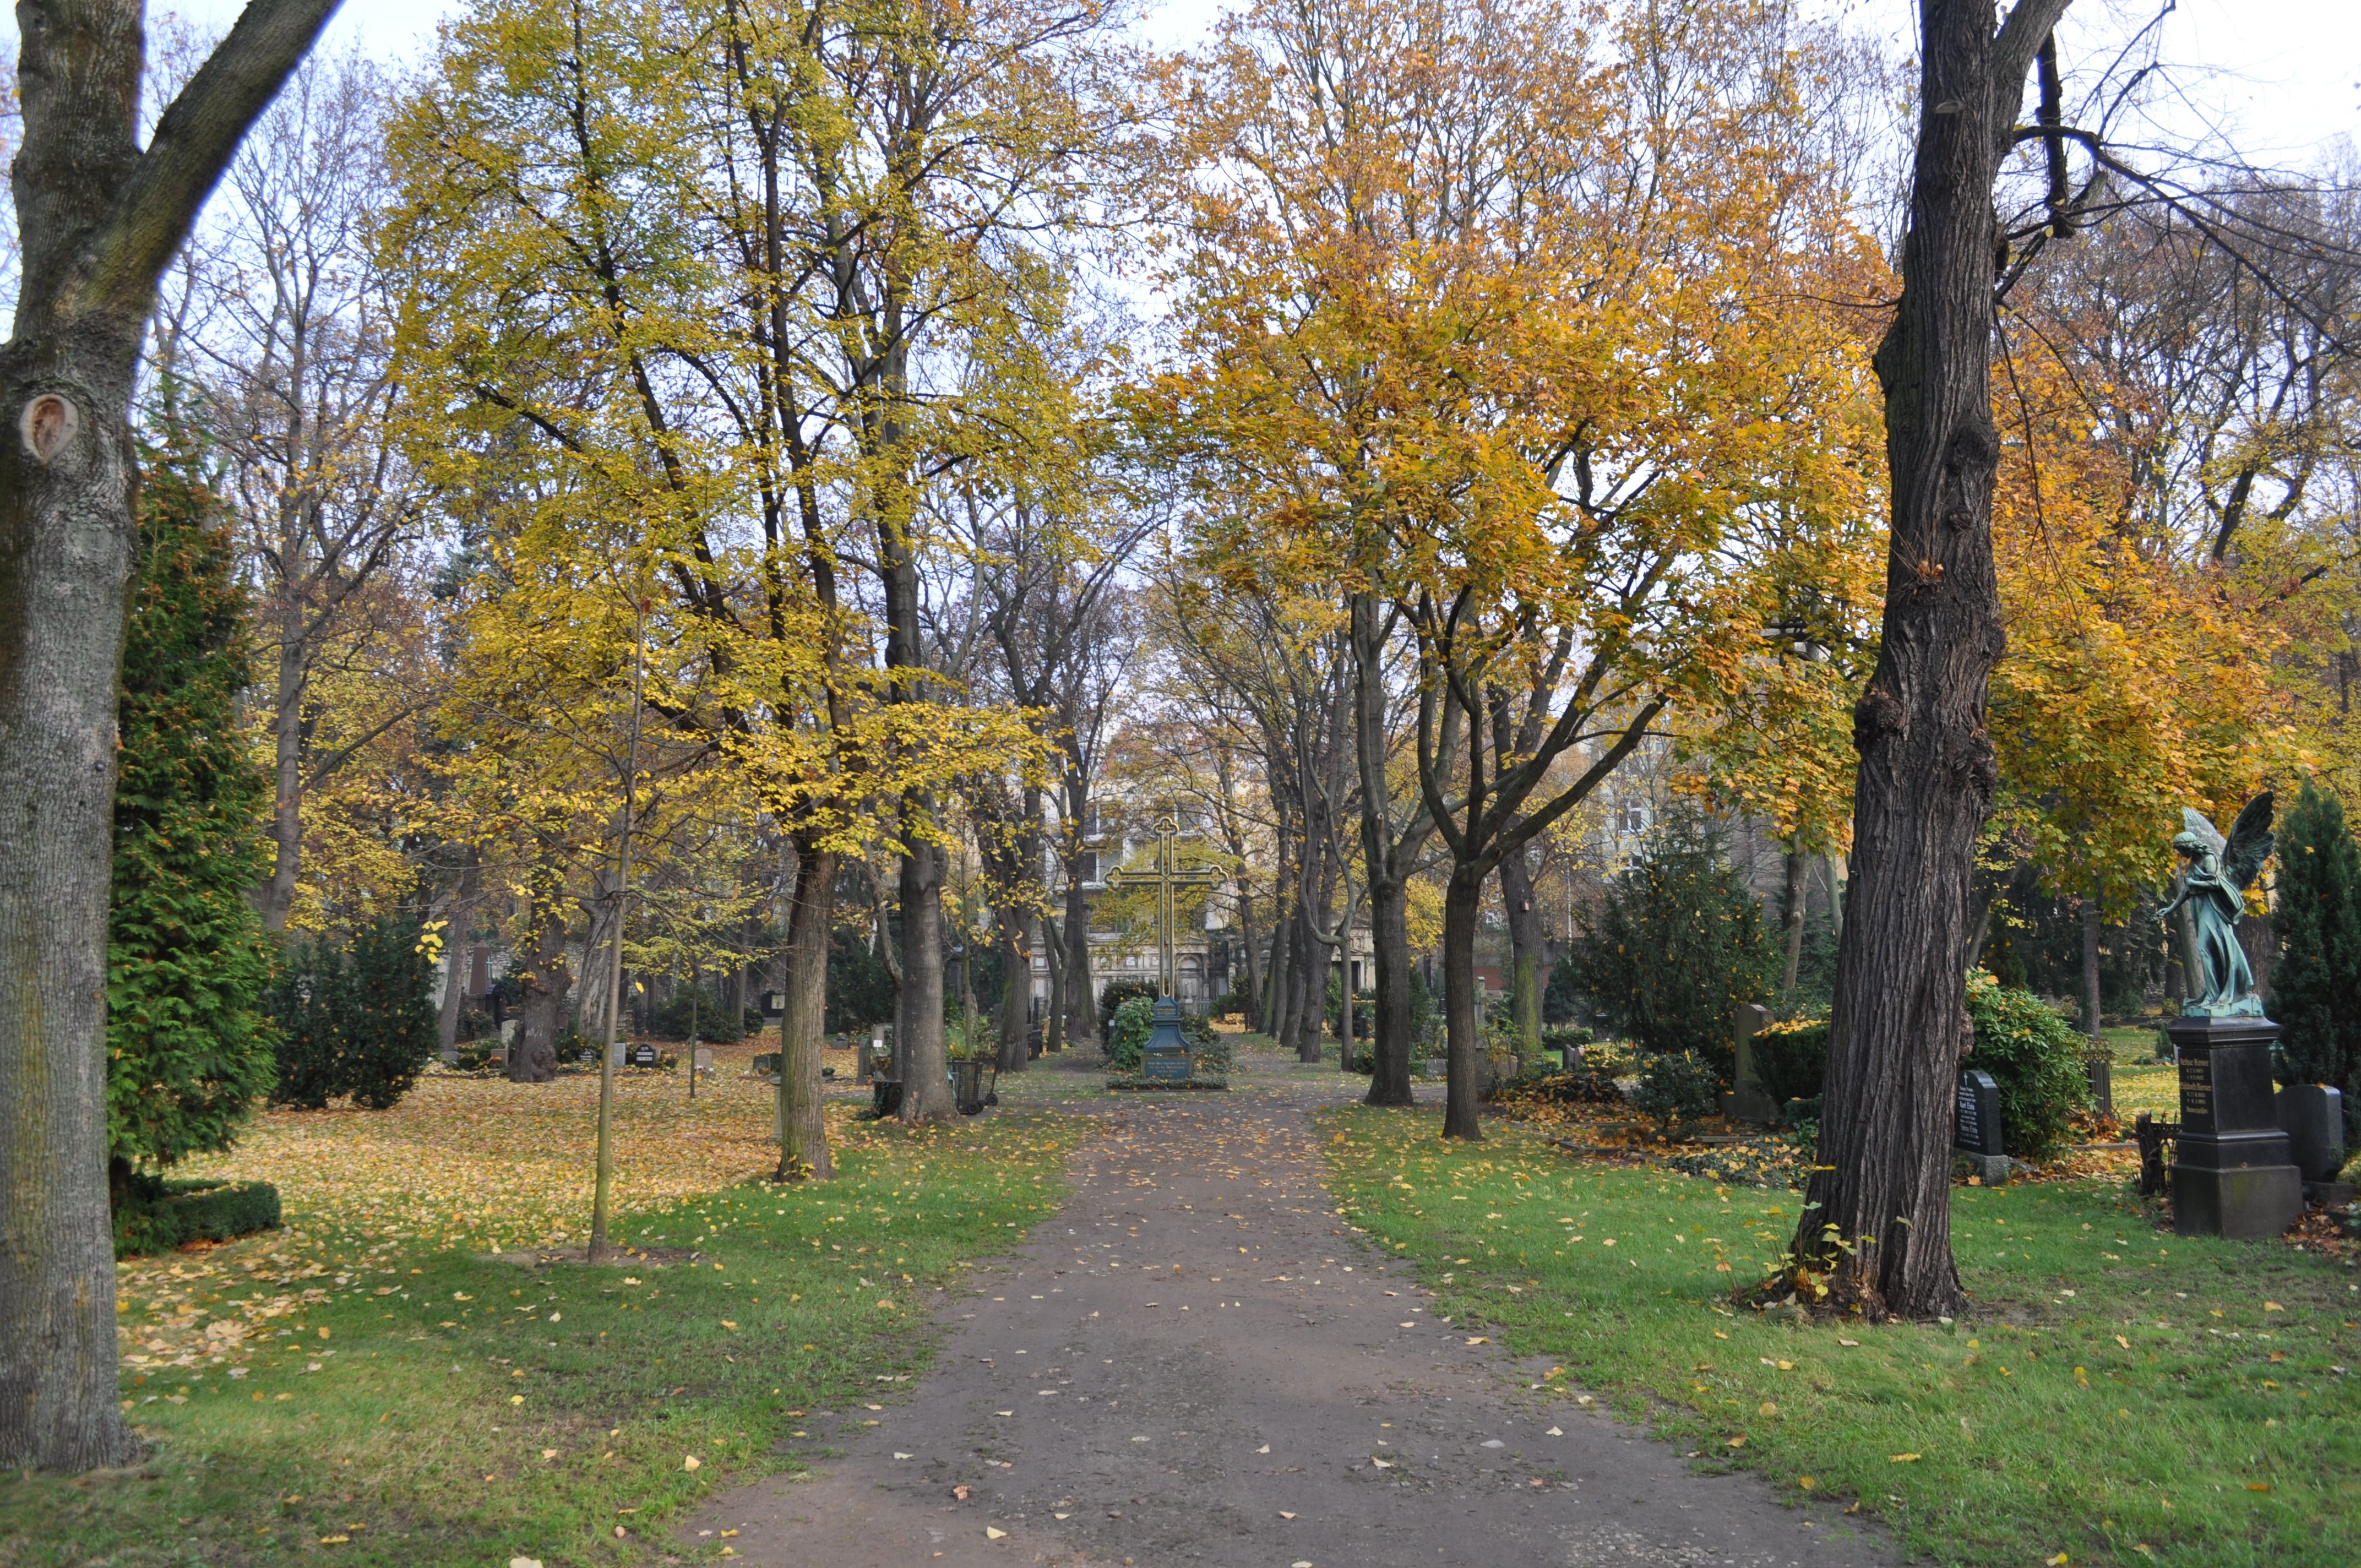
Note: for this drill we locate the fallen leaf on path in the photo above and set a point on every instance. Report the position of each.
(992, 1534)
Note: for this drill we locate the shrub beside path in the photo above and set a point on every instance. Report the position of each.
(1196, 1362)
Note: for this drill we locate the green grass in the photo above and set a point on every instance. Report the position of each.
(443, 1381)
(2113, 1394)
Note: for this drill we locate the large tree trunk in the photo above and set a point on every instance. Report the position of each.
(600, 955)
(1081, 996)
(1876, 1228)
(1386, 861)
(918, 1054)
(97, 221)
(1053, 1023)
(287, 770)
(1015, 938)
(533, 1057)
(1389, 1042)
(799, 1125)
(1253, 993)
(1793, 967)
(1528, 947)
(1463, 899)
(2091, 934)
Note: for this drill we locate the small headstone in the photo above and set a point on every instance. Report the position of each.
(2313, 1116)
(1748, 1102)
(643, 1056)
(1977, 1133)
(704, 1059)
(588, 1056)
(1978, 1130)
(1437, 1066)
(775, 1004)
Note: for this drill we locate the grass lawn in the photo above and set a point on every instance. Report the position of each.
(370, 1385)
(2117, 1394)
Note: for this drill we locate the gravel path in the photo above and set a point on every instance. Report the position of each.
(1195, 1362)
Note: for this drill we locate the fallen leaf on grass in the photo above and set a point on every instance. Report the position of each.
(1852, 1344)
(334, 1539)
(1902, 1458)
(691, 1461)
(1738, 1442)
(2258, 1485)
(1806, 1482)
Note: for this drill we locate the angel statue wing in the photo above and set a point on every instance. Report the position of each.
(2196, 822)
(2251, 842)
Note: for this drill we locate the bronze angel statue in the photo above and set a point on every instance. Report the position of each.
(2214, 889)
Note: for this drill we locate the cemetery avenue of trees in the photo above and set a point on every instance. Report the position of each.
(660, 521)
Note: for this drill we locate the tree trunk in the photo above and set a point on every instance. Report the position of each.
(1528, 949)
(2091, 928)
(1876, 1227)
(287, 771)
(1389, 1043)
(1053, 1023)
(801, 1129)
(65, 556)
(1082, 999)
(918, 1054)
(1311, 993)
(534, 1057)
(1015, 989)
(1796, 888)
(1462, 901)
(1253, 992)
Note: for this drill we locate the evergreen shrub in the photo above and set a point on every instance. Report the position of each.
(1791, 1058)
(1127, 1030)
(2316, 983)
(352, 1021)
(189, 1051)
(2036, 1058)
(156, 1215)
(1677, 946)
(1676, 1086)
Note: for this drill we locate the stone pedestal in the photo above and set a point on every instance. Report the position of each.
(1166, 1054)
(2232, 1171)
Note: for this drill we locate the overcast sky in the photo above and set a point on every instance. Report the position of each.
(2285, 75)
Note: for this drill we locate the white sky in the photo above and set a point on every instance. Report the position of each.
(2283, 76)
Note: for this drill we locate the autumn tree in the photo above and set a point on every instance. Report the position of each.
(1432, 249)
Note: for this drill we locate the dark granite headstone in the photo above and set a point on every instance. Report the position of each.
(643, 1056)
(1977, 1131)
(2232, 1171)
(2313, 1116)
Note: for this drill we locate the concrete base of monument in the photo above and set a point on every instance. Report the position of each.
(2328, 1194)
(2243, 1202)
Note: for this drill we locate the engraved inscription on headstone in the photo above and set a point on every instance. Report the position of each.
(1978, 1130)
(643, 1056)
(2197, 1092)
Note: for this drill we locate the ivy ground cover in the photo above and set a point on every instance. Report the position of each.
(2117, 1394)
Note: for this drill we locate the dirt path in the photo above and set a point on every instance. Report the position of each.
(1195, 1362)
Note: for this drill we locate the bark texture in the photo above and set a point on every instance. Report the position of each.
(801, 1130)
(1528, 947)
(918, 1053)
(1876, 1225)
(98, 219)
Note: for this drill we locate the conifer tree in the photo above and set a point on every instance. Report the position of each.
(2316, 984)
(188, 1054)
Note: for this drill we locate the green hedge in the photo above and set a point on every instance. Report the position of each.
(2036, 1058)
(158, 1216)
(1791, 1058)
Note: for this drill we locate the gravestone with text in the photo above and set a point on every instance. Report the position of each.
(2233, 1172)
(643, 1056)
(1977, 1131)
